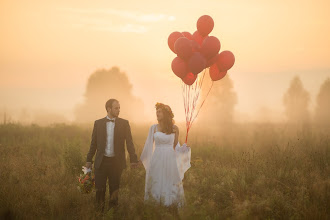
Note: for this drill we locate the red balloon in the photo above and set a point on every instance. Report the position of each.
(212, 61)
(215, 74)
(205, 25)
(198, 38)
(226, 60)
(210, 47)
(189, 79)
(172, 38)
(187, 35)
(195, 46)
(183, 48)
(196, 63)
(179, 67)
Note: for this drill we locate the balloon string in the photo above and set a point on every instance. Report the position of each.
(202, 103)
(185, 94)
(190, 95)
(184, 98)
(188, 103)
(197, 96)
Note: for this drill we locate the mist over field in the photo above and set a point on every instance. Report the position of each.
(240, 169)
(260, 145)
(221, 103)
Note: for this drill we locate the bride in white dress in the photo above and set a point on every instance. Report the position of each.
(165, 160)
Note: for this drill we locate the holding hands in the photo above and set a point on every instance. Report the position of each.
(136, 165)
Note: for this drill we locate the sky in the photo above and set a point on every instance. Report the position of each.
(48, 49)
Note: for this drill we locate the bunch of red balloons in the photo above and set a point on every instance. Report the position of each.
(198, 51)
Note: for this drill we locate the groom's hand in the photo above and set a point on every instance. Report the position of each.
(88, 165)
(135, 165)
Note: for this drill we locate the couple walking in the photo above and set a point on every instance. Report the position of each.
(164, 160)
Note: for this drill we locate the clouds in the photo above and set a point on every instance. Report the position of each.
(114, 20)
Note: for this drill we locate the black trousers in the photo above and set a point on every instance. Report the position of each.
(107, 171)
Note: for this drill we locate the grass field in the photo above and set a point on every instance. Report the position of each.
(246, 171)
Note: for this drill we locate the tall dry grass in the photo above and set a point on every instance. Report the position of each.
(259, 171)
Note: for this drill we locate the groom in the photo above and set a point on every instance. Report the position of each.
(108, 140)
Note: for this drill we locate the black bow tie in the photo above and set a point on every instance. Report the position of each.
(111, 120)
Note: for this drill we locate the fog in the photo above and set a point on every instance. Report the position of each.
(52, 56)
(221, 106)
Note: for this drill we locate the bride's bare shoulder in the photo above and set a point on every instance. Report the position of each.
(175, 128)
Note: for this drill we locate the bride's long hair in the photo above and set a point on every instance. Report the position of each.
(168, 120)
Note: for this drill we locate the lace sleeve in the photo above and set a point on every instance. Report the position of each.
(183, 155)
(148, 148)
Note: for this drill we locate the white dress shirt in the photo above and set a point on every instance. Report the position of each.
(109, 148)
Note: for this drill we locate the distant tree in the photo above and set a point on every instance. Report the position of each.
(5, 118)
(102, 85)
(322, 111)
(219, 106)
(296, 101)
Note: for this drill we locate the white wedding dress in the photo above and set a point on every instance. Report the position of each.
(165, 168)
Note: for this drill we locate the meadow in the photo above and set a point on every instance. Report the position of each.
(242, 171)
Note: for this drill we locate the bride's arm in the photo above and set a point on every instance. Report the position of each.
(176, 139)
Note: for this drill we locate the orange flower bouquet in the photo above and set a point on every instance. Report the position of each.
(86, 181)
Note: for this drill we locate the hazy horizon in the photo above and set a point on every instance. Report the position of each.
(49, 50)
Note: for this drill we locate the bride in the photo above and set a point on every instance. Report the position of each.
(164, 160)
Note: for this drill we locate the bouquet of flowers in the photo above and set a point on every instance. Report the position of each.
(86, 180)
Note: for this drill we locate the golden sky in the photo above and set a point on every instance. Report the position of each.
(49, 48)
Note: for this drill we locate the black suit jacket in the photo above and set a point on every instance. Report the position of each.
(122, 133)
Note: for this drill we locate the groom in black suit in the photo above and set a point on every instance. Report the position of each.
(108, 141)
